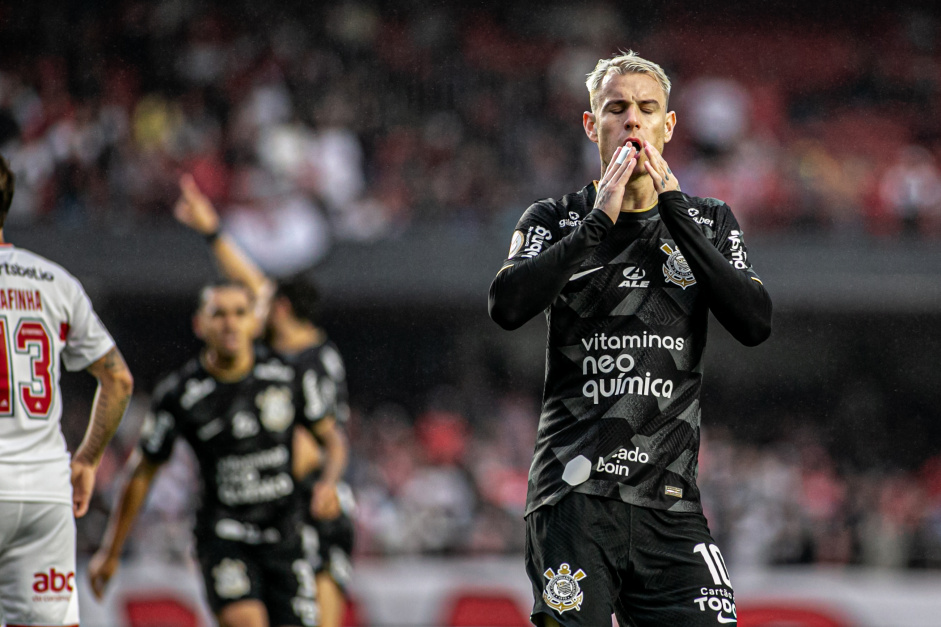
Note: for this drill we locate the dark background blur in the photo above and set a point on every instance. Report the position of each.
(388, 148)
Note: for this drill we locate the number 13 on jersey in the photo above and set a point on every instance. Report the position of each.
(34, 388)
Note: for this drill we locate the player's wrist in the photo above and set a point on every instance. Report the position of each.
(212, 236)
(326, 484)
(85, 459)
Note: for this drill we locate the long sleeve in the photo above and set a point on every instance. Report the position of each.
(526, 285)
(736, 295)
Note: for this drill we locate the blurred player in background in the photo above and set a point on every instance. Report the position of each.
(46, 321)
(291, 311)
(627, 270)
(238, 412)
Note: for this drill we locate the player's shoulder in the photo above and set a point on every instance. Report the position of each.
(315, 355)
(20, 262)
(712, 214)
(330, 359)
(710, 206)
(568, 208)
(173, 383)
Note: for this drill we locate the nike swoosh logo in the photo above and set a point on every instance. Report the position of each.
(723, 619)
(579, 275)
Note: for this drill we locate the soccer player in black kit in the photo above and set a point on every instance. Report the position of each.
(237, 410)
(290, 312)
(326, 500)
(626, 270)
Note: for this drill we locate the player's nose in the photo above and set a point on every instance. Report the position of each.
(631, 118)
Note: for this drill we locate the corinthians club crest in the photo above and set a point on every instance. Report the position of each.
(563, 593)
(276, 407)
(675, 268)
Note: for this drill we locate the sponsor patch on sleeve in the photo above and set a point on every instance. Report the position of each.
(673, 491)
(515, 244)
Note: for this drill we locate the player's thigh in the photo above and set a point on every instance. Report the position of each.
(229, 571)
(247, 613)
(331, 599)
(37, 564)
(680, 576)
(290, 592)
(571, 552)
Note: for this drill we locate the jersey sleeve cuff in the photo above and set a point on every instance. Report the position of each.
(601, 218)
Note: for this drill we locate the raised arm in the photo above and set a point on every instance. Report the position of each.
(528, 284)
(103, 565)
(195, 210)
(737, 298)
(115, 385)
(736, 295)
(525, 286)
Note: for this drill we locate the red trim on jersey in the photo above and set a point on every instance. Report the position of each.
(64, 329)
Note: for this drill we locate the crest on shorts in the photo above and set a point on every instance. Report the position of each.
(675, 268)
(230, 578)
(563, 593)
(277, 408)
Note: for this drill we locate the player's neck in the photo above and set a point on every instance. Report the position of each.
(227, 369)
(296, 336)
(639, 195)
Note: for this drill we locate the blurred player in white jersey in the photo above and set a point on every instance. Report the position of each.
(46, 321)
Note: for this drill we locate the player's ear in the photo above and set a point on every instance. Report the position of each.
(589, 122)
(668, 125)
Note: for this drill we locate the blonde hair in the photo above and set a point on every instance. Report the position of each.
(625, 63)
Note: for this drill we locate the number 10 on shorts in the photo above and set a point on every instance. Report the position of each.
(720, 600)
(715, 563)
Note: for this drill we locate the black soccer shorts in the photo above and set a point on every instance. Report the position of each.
(588, 557)
(275, 574)
(328, 545)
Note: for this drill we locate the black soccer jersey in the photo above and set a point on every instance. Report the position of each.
(627, 309)
(323, 375)
(241, 433)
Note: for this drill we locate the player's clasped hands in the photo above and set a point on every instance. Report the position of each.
(612, 184)
(663, 178)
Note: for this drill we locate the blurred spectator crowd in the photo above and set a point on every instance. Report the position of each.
(312, 122)
(440, 484)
